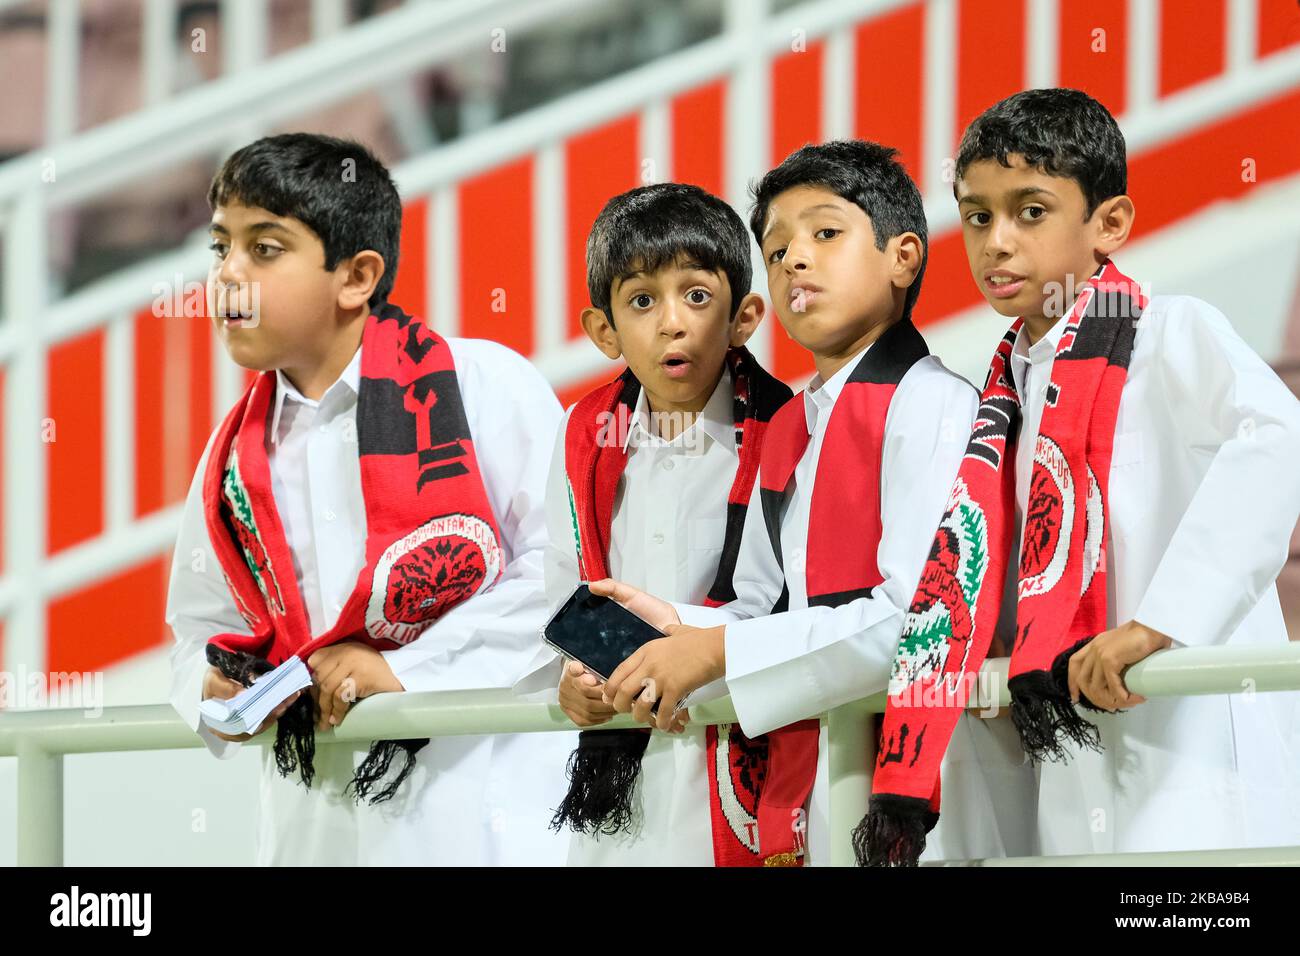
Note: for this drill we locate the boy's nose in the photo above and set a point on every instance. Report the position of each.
(797, 258)
(671, 320)
(999, 242)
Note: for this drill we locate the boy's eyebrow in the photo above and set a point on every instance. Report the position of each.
(268, 225)
(690, 266)
(804, 214)
(1020, 193)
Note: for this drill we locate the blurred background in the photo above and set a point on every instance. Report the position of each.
(508, 124)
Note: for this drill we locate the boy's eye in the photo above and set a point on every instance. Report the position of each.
(1033, 212)
(218, 249)
(978, 218)
(699, 296)
(642, 301)
(777, 255)
(262, 249)
(828, 229)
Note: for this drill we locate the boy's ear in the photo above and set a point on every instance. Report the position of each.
(747, 318)
(598, 328)
(909, 251)
(360, 275)
(1114, 220)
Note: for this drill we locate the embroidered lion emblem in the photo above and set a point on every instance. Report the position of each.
(941, 618)
(423, 575)
(1049, 520)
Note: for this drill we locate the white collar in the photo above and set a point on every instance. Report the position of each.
(349, 378)
(1024, 355)
(715, 420)
(820, 396)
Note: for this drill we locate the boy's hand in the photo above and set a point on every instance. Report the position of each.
(667, 669)
(649, 608)
(344, 673)
(1096, 669)
(580, 692)
(218, 685)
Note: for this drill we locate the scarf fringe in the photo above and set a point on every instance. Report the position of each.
(376, 765)
(295, 736)
(602, 770)
(295, 741)
(893, 831)
(1045, 716)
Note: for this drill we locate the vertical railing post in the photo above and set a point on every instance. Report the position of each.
(27, 430)
(40, 807)
(848, 731)
(747, 128)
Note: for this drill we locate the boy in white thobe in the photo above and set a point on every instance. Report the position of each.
(677, 308)
(844, 267)
(467, 800)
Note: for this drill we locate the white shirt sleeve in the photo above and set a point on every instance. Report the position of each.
(785, 667)
(1232, 540)
(199, 607)
(488, 640)
(541, 677)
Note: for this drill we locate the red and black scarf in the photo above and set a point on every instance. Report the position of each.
(845, 506)
(431, 538)
(604, 768)
(1061, 593)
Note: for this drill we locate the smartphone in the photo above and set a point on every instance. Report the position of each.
(596, 631)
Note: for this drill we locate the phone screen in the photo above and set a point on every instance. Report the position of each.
(597, 631)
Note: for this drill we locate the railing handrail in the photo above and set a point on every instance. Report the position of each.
(40, 738)
(1177, 672)
(395, 44)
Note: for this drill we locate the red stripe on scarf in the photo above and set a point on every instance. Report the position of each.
(845, 508)
(431, 538)
(749, 793)
(1061, 577)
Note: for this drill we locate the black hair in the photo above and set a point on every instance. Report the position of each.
(647, 228)
(866, 174)
(336, 187)
(1059, 131)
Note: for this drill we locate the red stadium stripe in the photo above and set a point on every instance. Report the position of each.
(796, 120)
(889, 74)
(1093, 54)
(411, 285)
(598, 165)
(496, 256)
(75, 404)
(796, 100)
(697, 128)
(137, 597)
(200, 394)
(1279, 25)
(990, 55)
(1193, 47)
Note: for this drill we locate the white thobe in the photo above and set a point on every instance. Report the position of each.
(666, 536)
(470, 799)
(784, 667)
(1204, 493)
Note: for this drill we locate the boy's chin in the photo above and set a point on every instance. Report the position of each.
(1012, 308)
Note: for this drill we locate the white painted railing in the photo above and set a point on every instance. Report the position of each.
(245, 30)
(396, 45)
(40, 739)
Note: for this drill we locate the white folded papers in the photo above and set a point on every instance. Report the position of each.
(245, 712)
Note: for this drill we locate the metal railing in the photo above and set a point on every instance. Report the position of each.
(41, 738)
